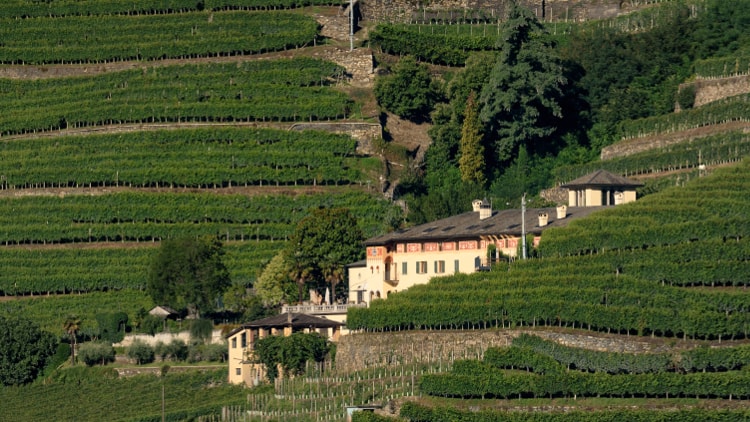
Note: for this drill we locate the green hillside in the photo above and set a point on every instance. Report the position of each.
(162, 119)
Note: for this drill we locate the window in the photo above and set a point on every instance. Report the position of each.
(404, 268)
(455, 266)
(243, 342)
(234, 342)
(439, 267)
(421, 267)
(238, 371)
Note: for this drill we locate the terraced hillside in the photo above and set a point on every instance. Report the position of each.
(112, 141)
(175, 124)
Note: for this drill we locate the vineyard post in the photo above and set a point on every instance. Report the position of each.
(523, 226)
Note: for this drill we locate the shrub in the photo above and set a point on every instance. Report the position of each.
(141, 352)
(93, 353)
(208, 352)
(686, 97)
(112, 326)
(408, 92)
(201, 330)
(152, 324)
(177, 350)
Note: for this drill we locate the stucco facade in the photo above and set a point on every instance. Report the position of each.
(459, 244)
(241, 342)
(601, 188)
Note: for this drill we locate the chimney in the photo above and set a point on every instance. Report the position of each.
(485, 210)
(476, 204)
(543, 218)
(562, 211)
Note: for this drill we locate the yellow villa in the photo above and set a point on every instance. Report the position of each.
(241, 341)
(461, 244)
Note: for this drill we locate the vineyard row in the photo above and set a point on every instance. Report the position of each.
(110, 38)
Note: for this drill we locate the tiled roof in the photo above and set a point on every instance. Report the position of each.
(602, 178)
(469, 226)
(298, 321)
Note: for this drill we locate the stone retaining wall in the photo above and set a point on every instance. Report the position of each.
(710, 90)
(358, 351)
(547, 10)
(364, 133)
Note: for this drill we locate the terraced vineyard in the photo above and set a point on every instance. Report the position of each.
(84, 212)
(282, 90)
(626, 263)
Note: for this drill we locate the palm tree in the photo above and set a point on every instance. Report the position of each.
(71, 326)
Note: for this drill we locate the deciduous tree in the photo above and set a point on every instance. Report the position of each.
(188, 273)
(409, 92)
(322, 244)
(24, 350)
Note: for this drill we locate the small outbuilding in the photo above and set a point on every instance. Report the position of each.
(163, 312)
(600, 188)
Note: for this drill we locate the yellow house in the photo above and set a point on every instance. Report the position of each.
(600, 188)
(460, 244)
(241, 341)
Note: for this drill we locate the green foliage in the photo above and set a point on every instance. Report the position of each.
(45, 311)
(214, 352)
(281, 90)
(112, 326)
(706, 209)
(176, 351)
(141, 352)
(96, 353)
(520, 103)
(709, 150)
(25, 350)
(722, 67)
(151, 324)
(106, 38)
(686, 97)
(365, 416)
(186, 396)
(416, 412)
(195, 158)
(272, 286)
(471, 149)
(731, 109)
(322, 243)
(408, 92)
(290, 353)
(188, 273)
(445, 45)
(66, 8)
(201, 330)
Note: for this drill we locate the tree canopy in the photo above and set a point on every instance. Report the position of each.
(520, 103)
(24, 350)
(188, 273)
(471, 161)
(409, 92)
(291, 352)
(322, 243)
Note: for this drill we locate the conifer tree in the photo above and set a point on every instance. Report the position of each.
(471, 160)
(520, 104)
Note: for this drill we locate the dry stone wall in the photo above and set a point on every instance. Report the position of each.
(710, 90)
(364, 133)
(548, 10)
(362, 350)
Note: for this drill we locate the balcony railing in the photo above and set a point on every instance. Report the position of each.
(320, 309)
